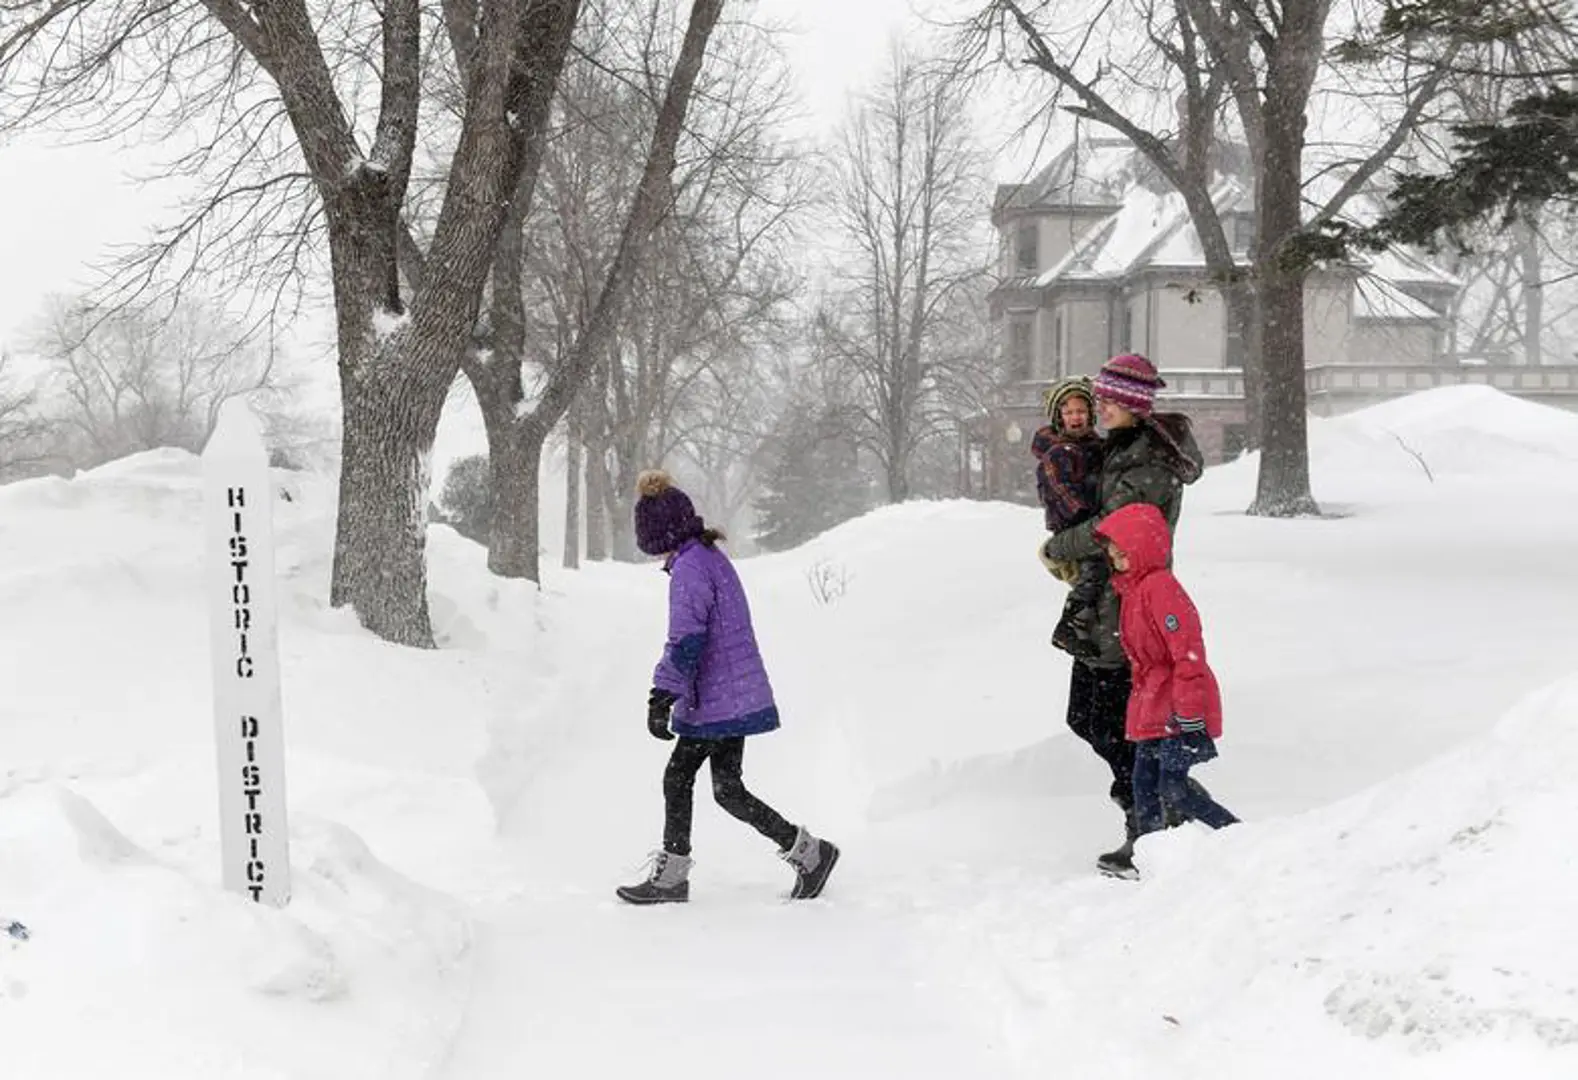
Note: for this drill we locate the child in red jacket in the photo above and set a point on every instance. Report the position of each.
(1175, 709)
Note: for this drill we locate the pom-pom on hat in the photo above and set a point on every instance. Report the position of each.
(665, 518)
(1130, 380)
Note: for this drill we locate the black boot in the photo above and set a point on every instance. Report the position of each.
(1120, 863)
(668, 882)
(813, 860)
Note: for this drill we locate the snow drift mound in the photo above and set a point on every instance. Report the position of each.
(1461, 429)
(169, 976)
(1457, 410)
(108, 846)
(1473, 434)
(906, 635)
(1419, 929)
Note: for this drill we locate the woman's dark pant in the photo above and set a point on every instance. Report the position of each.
(1098, 703)
(1162, 787)
(728, 788)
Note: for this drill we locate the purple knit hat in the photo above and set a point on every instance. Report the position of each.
(665, 518)
(1129, 380)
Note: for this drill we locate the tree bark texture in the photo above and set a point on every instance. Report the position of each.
(514, 459)
(379, 563)
(1283, 486)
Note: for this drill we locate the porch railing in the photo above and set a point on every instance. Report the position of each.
(1352, 380)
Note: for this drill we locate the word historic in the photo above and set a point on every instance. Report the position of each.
(248, 725)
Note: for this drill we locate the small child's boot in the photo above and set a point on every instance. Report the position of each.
(813, 860)
(667, 883)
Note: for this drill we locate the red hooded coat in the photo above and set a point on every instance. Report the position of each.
(1160, 631)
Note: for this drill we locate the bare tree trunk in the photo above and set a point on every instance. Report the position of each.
(398, 354)
(394, 380)
(379, 545)
(897, 468)
(572, 488)
(514, 461)
(621, 503)
(623, 531)
(499, 382)
(618, 513)
(1283, 487)
(597, 491)
(1533, 289)
(1239, 301)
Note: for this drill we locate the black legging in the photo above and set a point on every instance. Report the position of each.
(728, 759)
(1098, 701)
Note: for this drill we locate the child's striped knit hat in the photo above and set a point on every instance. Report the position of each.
(1129, 380)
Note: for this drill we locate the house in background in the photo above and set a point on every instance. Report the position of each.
(1097, 256)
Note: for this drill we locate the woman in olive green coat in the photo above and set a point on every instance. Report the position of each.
(1148, 457)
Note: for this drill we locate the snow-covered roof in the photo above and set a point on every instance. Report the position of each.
(1179, 246)
(1376, 298)
(1151, 229)
(1111, 248)
(1403, 266)
(1148, 230)
(1093, 172)
(1145, 217)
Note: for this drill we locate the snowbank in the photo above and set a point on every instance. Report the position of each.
(138, 965)
(108, 840)
(1403, 451)
(1419, 929)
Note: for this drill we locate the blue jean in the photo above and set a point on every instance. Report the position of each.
(1161, 783)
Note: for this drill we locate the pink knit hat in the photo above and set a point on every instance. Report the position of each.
(1129, 380)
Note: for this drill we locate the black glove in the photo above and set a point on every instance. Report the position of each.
(659, 704)
(1183, 751)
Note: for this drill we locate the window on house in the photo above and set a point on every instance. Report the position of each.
(1027, 248)
(1243, 232)
(1126, 338)
(1234, 356)
(1057, 345)
(1019, 349)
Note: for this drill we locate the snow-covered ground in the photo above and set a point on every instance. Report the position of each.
(1402, 728)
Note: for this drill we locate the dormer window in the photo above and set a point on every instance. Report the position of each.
(1027, 248)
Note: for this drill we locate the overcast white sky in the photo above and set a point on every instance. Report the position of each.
(62, 207)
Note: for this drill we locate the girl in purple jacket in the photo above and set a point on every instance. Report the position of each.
(711, 690)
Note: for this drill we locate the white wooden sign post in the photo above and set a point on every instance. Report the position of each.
(238, 504)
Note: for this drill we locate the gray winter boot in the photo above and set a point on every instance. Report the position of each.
(668, 882)
(813, 860)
